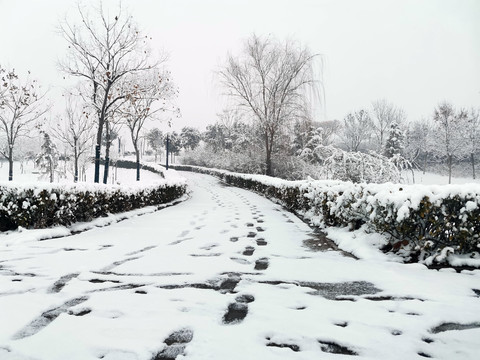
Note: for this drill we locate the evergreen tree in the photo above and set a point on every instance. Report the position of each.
(190, 138)
(47, 159)
(174, 144)
(395, 142)
(156, 140)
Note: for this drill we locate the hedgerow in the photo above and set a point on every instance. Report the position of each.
(45, 205)
(420, 222)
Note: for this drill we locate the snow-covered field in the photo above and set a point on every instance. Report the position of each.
(26, 173)
(436, 179)
(127, 176)
(226, 274)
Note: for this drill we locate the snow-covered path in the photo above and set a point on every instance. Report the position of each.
(226, 274)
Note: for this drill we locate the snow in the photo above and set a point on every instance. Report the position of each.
(137, 281)
(437, 179)
(31, 175)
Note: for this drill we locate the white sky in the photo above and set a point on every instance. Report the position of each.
(414, 53)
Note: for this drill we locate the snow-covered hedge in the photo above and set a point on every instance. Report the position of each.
(420, 221)
(130, 164)
(45, 205)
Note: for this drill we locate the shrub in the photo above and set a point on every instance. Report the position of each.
(41, 206)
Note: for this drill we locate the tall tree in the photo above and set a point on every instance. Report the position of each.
(449, 127)
(21, 105)
(102, 50)
(269, 80)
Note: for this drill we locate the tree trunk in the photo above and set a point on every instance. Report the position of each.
(10, 164)
(75, 162)
(268, 164)
(449, 168)
(107, 154)
(168, 149)
(50, 165)
(268, 156)
(96, 177)
(107, 164)
(472, 158)
(137, 153)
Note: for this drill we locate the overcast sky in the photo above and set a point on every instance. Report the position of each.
(414, 53)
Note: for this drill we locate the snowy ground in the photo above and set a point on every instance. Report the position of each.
(437, 179)
(26, 173)
(226, 274)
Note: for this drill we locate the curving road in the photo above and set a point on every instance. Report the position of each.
(226, 274)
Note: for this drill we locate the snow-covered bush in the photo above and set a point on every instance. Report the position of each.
(42, 205)
(231, 160)
(419, 221)
(352, 166)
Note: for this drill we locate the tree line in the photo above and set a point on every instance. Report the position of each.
(120, 84)
(379, 138)
(269, 126)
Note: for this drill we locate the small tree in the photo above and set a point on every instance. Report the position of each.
(74, 129)
(155, 140)
(384, 114)
(449, 130)
(174, 144)
(21, 104)
(330, 129)
(419, 143)
(215, 137)
(395, 141)
(149, 95)
(47, 159)
(356, 129)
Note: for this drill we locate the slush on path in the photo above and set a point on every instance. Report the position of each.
(226, 274)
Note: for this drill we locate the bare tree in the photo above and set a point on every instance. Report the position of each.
(449, 127)
(472, 135)
(384, 114)
(21, 104)
(102, 50)
(356, 129)
(74, 129)
(229, 117)
(149, 95)
(419, 142)
(269, 79)
(329, 130)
